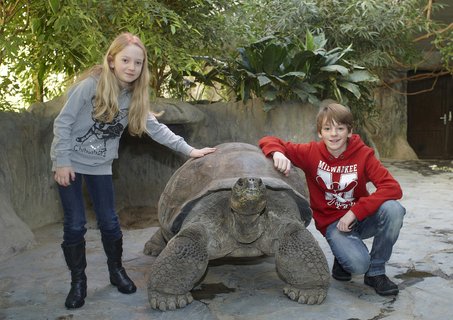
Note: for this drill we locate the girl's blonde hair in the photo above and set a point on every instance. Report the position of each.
(334, 112)
(108, 89)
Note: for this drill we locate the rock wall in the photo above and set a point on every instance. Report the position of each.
(248, 122)
(389, 132)
(144, 166)
(25, 192)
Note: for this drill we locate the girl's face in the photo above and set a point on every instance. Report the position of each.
(127, 65)
(335, 136)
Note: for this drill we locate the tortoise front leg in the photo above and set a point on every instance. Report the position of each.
(302, 265)
(155, 245)
(178, 268)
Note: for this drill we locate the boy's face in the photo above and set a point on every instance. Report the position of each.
(335, 136)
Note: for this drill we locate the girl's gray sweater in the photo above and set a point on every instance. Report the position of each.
(90, 146)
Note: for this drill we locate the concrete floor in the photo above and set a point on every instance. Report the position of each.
(34, 284)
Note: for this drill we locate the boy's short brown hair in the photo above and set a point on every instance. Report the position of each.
(334, 112)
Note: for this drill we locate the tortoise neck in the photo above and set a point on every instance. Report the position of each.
(247, 228)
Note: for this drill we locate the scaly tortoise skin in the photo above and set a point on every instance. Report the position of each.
(233, 203)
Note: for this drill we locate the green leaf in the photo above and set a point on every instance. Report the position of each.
(253, 59)
(336, 54)
(301, 94)
(248, 73)
(351, 87)
(360, 76)
(262, 42)
(302, 61)
(54, 5)
(278, 80)
(309, 41)
(263, 80)
(319, 42)
(336, 68)
(36, 25)
(298, 74)
(312, 99)
(307, 87)
(273, 56)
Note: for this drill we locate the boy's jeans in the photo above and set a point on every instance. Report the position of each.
(353, 254)
(100, 189)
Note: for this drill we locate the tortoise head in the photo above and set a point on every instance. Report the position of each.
(247, 202)
(248, 196)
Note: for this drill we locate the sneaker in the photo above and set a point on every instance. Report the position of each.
(382, 285)
(339, 273)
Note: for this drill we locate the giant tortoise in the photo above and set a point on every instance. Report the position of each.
(233, 203)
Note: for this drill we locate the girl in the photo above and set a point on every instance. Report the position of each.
(87, 132)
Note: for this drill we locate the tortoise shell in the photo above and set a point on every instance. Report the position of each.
(219, 171)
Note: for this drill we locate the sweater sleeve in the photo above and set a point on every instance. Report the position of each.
(295, 152)
(163, 135)
(387, 188)
(270, 144)
(63, 124)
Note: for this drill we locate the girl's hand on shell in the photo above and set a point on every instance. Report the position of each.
(198, 153)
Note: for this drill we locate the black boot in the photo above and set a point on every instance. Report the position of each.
(76, 261)
(339, 273)
(382, 285)
(118, 276)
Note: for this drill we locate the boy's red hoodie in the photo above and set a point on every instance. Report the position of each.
(337, 185)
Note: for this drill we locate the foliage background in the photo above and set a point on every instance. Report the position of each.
(45, 43)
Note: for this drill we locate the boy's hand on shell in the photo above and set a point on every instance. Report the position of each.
(198, 153)
(281, 163)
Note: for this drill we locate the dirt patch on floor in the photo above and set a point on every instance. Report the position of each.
(138, 218)
(424, 167)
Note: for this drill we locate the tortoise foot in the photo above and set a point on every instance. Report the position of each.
(155, 245)
(166, 301)
(306, 296)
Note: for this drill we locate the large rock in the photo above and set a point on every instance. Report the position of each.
(389, 131)
(239, 122)
(15, 235)
(23, 181)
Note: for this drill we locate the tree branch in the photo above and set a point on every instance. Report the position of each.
(416, 77)
(428, 35)
(429, 9)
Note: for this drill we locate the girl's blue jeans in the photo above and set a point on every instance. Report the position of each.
(100, 189)
(352, 253)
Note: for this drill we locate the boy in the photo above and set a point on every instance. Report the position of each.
(337, 169)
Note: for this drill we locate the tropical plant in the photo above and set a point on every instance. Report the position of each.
(43, 39)
(384, 33)
(278, 69)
